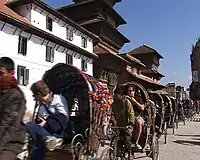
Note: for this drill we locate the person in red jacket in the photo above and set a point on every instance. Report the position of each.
(12, 110)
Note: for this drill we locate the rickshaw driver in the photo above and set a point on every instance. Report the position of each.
(138, 107)
(123, 113)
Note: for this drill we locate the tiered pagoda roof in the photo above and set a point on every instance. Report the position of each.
(144, 49)
(99, 17)
(109, 2)
(146, 55)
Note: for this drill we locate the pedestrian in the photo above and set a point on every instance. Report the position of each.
(12, 110)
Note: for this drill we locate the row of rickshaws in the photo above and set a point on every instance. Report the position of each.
(89, 103)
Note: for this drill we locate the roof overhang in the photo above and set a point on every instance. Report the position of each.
(43, 34)
(99, 50)
(144, 49)
(152, 72)
(133, 59)
(40, 3)
(102, 2)
(146, 79)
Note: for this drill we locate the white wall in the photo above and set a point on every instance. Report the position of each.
(38, 18)
(34, 60)
(77, 63)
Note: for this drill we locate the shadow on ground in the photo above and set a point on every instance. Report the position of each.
(196, 139)
(187, 142)
(186, 135)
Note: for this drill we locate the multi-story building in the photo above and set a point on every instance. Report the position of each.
(195, 69)
(36, 37)
(99, 17)
(181, 93)
(151, 58)
(111, 68)
(171, 89)
(133, 72)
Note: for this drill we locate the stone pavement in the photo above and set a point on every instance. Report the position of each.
(183, 145)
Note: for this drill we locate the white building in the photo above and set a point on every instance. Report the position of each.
(37, 37)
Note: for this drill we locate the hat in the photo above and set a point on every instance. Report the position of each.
(39, 87)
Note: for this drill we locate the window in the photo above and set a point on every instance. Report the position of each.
(22, 46)
(22, 75)
(84, 42)
(70, 34)
(49, 24)
(69, 59)
(84, 65)
(49, 54)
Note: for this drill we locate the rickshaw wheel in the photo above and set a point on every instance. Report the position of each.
(118, 153)
(184, 121)
(165, 132)
(76, 144)
(108, 154)
(173, 127)
(155, 148)
(176, 123)
(82, 154)
(173, 131)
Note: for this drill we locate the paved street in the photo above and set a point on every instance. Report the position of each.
(184, 145)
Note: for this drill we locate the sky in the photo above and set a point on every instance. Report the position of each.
(169, 26)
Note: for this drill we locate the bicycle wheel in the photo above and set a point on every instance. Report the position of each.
(119, 149)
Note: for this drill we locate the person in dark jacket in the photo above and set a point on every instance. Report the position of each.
(123, 114)
(12, 110)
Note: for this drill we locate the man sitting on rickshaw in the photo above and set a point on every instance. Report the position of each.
(138, 107)
(51, 120)
(123, 113)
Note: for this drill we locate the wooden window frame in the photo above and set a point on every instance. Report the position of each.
(22, 75)
(69, 59)
(84, 66)
(69, 34)
(50, 53)
(22, 45)
(84, 42)
(49, 24)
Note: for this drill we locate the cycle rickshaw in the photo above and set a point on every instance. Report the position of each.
(156, 97)
(148, 140)
(168, 113)
(88, 103)
(175, 113)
